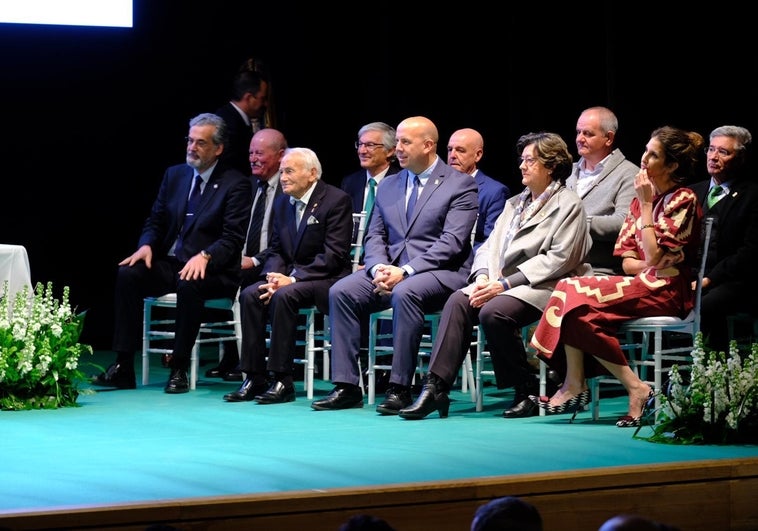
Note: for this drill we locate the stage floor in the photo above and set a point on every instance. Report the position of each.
(143, 445)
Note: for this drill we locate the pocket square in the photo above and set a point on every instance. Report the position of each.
(311, 220)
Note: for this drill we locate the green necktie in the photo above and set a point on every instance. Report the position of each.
(713, 196)
(370, 197)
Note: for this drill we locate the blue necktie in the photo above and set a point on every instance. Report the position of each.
(299, 209)
(412, 199)
(195, 194)
(194, 200)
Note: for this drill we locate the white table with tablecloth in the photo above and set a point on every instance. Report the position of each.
(14, 268)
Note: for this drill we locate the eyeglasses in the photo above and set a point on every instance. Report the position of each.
(199, 143)
(710, 150)
(371, 146)
(529, 161)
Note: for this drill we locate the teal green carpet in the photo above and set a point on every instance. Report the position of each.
(144, 445)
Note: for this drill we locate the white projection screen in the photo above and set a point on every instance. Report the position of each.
(101, 13)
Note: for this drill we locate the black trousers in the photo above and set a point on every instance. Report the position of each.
(135, 283)
(501, 318)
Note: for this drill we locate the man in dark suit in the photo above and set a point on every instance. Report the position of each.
(376, 154)
(246, 107)
(309, 251)
(266, 152)
(730, 196)
(190, 244)
(464, 151)
(415, 257)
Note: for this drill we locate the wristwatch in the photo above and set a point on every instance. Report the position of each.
(205, 254)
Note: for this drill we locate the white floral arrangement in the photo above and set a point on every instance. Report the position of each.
(39, 350)
(719, 403)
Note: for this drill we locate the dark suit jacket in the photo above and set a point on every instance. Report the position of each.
(317, 255)
(733, 251)
(218, 226)
(263, 253)
(438, 238)
(492, 197)
(237, 149)
(320, 249)
(249, 276)
(355, 185)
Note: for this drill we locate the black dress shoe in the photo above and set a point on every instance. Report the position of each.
(235, 375)
(342, 397)
(523, 409)
(278, 393)
(177, 382)
(222, 369)
(117, 375)
(397, 397)
(247, 391)
(216, 372)
(522, 406)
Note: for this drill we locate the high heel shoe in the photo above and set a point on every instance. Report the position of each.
(572, 405)
(628, 421)
(433, 397)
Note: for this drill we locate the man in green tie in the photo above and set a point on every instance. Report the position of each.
(731, 196)
(376, 154)
(715, 193)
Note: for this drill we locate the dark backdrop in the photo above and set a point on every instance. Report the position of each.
(94, 116)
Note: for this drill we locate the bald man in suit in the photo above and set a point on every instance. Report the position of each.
(465, 149)
(415, 258)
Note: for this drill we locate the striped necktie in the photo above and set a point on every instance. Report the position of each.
(256, 221)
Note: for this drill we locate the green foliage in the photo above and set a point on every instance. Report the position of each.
(39, 350)
(718, 405)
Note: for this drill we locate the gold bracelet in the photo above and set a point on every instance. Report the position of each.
(648, 226)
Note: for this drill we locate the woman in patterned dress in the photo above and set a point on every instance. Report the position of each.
(658, 244)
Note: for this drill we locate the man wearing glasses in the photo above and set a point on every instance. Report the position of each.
(376, 155)
(190, 244)
(730, 196)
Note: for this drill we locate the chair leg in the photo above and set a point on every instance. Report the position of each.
(478, 386)
(362, 383)
(327, 347)
(468, 377)
(146, 318)
(658, 370)
(310, 354)
(595, 397)
(543, 384)
(194, 362)
(371, 372)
